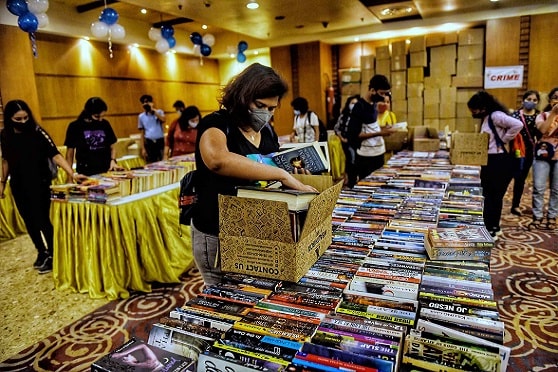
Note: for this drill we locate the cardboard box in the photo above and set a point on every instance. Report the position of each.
(468, 81)
(471, 36)
(425, 139)
(419, 59)
(469, 148)
(383, 66)
(256, 235)
(349, 89)
(418, 44)
(396, 141)
(398, 62)
(367, 62)
(350, 76)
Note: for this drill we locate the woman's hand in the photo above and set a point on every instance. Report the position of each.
(291, 182)
(2, 187)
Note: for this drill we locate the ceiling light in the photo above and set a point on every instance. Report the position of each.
(252, 4)
(143, 11)
(397, 11)
(204, 27)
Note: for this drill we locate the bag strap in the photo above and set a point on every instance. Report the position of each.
(497, 138)
(525, 126)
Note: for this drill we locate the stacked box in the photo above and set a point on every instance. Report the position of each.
(417, 44)
(415, 75)
(472, 36)
(442, 60)
(467, 125)
(398, 55)
(415, 89)
(424, 138)
(469, 148)
(419, 59)
(367, 63)
(448, 97)
(383, 66)
(398, 82)
(382, 52)
(365, 76)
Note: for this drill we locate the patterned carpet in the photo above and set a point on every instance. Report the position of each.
(524, 266)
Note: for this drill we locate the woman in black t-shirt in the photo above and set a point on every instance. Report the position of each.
(92, 140)
(26, 148)
(224, 138)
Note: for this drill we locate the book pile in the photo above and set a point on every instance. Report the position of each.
(136, 355)
(470, 243)
(103, 192)
(61, 192)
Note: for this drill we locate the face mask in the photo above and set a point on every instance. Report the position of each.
(296, 112)
(351, 106)
(260, 117)
(479, 115)
(179, 112)
(377, 98)
(529, 105)
(193, 124)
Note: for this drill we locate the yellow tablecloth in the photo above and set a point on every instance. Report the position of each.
(337, 157)
(106, 251)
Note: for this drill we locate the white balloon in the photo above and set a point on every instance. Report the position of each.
(162, 46)
(197, 50)
(117, 31)
(37, 6)
(208, 39)
(43, 19)
(155, 34)
(99, 29)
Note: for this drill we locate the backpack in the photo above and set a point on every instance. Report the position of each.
(187, 198)
(322, 130)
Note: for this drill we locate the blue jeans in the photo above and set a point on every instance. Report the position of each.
(206, 256)
(543, 172)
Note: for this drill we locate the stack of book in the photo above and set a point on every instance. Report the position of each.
(471, 243)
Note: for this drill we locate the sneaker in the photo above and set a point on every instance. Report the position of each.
(516, 211)
(41, 257)
(493, 234)
(47, 266)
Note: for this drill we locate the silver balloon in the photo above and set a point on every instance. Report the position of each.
(43, 19)
(99, 29)
(162, 46)
(117, 32)
(155, 34)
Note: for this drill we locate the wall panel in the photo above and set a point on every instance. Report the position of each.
(543, 53)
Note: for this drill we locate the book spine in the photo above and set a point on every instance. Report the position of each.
(338, 364)
(377, 310)
(290, 335)
(210, 362)
(387, 318)
(485, 304)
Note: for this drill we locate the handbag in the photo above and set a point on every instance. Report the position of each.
(546, 147)
(187, 198)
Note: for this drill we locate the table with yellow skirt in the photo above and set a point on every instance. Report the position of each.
(109, 250)
(11, 223)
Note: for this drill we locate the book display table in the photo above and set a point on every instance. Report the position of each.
(108, 250)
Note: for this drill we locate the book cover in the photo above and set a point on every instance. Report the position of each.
(135, 355)
(296, 200)
(212, 362)
(274, 346)
(474, 236)
(309, 157)
(177, 341)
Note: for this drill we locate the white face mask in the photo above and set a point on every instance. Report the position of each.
(179, 112)
(351, 105)
(296, 112)
(193, 124)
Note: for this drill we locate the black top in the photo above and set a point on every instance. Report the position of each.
(92, 140)
(362, 113)
(209, 184)
(27, 154)
(529, 138)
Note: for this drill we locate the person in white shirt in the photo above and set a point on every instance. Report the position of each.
(150, 123)
(306, 124)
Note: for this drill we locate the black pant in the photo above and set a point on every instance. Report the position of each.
(365, 165)
(495, 178)
(154, 149)
(521, 171)
(34, 207)
(350, 158)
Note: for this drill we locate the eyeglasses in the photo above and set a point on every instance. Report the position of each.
(20, 119)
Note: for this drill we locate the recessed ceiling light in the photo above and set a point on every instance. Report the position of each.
(397, 11)
(204, 27)
(252, 4)
(494, 1)
(143, 11)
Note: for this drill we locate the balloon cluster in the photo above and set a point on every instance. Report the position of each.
(202, 45)
(242, 47)
(107, 25)
(31, 16)
(164, 38)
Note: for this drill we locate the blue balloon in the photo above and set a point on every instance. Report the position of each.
(28, 22)
(241, 57)
(172, 41)
(205, 50)
(196, 38)
(167, 31)
(242, 46)
(109, 16)
(17, 7)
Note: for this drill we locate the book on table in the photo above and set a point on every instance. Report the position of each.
(313, 157)
(296, 200)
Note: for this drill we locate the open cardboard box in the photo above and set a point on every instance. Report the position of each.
(425, 139)
(469, 148)
(256, 237)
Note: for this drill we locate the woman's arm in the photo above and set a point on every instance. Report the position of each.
(218, 158)
(4, 177)
(546, 125)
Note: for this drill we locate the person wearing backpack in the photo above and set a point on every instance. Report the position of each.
(523, 157)
(306, 127)
(545, 166)
(341, 128)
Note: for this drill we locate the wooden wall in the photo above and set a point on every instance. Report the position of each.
(543, 70)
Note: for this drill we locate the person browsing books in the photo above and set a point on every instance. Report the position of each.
(91, 139)
(181, 138)
(150, 123)
(341, 128)
(26, 148)
(496, 175)
(364, 131)
(224, 139)
(306, 127)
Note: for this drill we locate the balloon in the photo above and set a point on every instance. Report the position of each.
(17, 7)
(167, 31)
(205, 50)
(196, 38)
(28, 22)
(43, 20)
(37, 6)
(208, 39)
(162, 46)
(109, 16)
(197, 51)
(241, 57)
(242, 46)
(155, 34)
(117, 31)
(99, 29)
(172, 41)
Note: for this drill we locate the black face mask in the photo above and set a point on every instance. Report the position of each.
(377, 98)
(479, 115)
